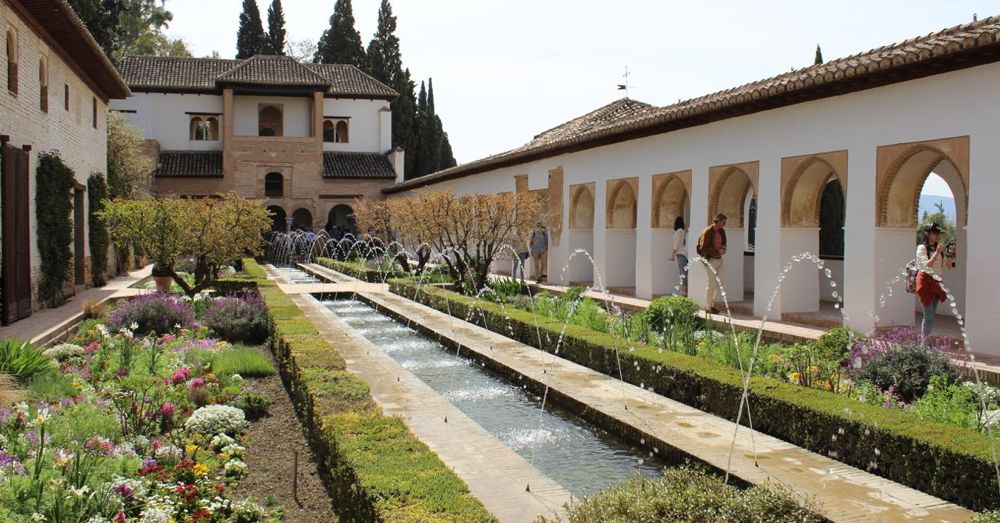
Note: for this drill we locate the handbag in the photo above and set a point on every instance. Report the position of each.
(911, 277)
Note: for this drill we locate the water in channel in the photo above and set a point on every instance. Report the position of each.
(581, 458)
(296, 275)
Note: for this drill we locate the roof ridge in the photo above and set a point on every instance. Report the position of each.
(258, 58)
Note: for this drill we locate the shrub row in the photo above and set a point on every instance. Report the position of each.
(359, 271)
(946, 461)
(379, 470)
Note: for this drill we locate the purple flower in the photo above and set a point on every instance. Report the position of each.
(122, 373)
(148, 462)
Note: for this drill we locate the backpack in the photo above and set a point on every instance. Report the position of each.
(911, 277)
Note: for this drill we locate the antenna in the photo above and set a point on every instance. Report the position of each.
(626, 86)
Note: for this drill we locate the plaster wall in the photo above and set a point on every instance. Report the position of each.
(166, 118)
(366, 129)
(296, 113)
(940, 106)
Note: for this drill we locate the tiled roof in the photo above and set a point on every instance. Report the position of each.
(190, 164)
(357, 165)
(271, 70)
(162, 73)
(954, 48)
(615, 112)
(347, 80)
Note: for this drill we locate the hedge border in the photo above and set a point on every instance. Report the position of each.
(378, 470)
(948, 462)
(355, 271)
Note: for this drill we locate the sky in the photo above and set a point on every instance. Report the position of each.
(505, 70)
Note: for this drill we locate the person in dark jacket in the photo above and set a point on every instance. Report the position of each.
(712, 247)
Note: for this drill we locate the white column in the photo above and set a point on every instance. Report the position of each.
(768, 260)
(800, 290)
(559, 254)
(697, 282)
(982, 250)
(385, 130)
(859, 239)
(894, 248)
(644, 262)
(600, 239)
(733, 264)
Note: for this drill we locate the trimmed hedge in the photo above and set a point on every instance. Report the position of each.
(358, 271)
(379, 470)
(946, 461)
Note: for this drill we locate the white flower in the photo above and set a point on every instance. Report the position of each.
(217, 419)
(38, 517)
(42, 417)
(79, 493)
(64, 351)
(103, 330)
(235, 468)
(133, 326)
(155, 515)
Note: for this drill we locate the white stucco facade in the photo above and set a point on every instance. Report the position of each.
(944, 106)
(368, 131)
(166, 117)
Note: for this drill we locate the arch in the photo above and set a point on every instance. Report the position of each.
(279, 223)
(270, 120)
(213, 128)
(581, 214)
(802, 192)
(302, 218)
(903, 178)
(621, 211)
(196, 128)
(12, 57)
(43, 86)
(329, 132)
(669, 201)
(342, 215)
(342, 136)
(732, 185)
(274, 185)
(832, 218)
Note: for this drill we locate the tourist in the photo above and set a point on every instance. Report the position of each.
(712, 247)
(539, 251)
(522, 260)
(928, 289)
(680, 252)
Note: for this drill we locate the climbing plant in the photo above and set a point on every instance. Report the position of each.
(97, 191)
(54, 181)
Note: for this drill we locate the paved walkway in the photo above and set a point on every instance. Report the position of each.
(48, 324)
(495, 474)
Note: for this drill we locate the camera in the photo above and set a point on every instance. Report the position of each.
(951, 250)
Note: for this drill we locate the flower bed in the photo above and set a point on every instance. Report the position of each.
(128, 428)
(946, 461)
(379, 470)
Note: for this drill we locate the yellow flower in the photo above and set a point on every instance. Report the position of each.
(201, 469)
(224, 456)
(794, 377)
(775, 358)
(77, 385)
(191, 449)
(814, 370)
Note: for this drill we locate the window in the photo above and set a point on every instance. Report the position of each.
(204, 128)
(335, 130)
(12, 62)
(274, 185)
(93, 112)
(43, 87)
(269, 120)
(66, 96)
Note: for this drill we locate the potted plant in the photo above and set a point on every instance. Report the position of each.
(161, 275)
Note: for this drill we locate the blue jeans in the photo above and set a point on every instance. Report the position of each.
(928, 324)
(682, 265)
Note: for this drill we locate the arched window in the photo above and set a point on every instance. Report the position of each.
(204, 128)
(329, 132)
(43, 86)
(274, 185)
(12, 62)
(269, 120)
(342, 131)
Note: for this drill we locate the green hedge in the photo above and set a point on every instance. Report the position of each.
(54, 184)
(379, 471)
(358, 271)
(97, 191)
(946, 461)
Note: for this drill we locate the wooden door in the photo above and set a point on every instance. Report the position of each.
(15, 273)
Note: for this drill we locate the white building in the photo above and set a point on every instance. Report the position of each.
(58, 84)
(874, 125)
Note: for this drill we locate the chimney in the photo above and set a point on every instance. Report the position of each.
(396, 157)
(385, 130)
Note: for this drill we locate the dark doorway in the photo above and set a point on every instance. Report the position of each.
(302, 219)
(343, 217)
(79, 249)
(16, 245)
(278, 222)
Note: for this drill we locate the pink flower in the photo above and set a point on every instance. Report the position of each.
(196, 383)
(167, 338)
(167, 410)
(122, 373)
(181, 374)
(91, 348)
(120, 518)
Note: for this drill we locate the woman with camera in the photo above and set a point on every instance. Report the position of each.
(932, 262)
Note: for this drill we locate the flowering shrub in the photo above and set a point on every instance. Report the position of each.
(238, 318)
(898, 360)
(157, 313)
(64, 352)
(217, 419)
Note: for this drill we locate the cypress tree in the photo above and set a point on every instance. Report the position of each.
(250, 37)
(819, 56)
(429, 150)
(385, 62)
(446, 155)
(276, 28)
(420, 145)
(404, 121)
(341, 43)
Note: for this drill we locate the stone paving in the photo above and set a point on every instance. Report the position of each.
(49, 324)
(843, 493)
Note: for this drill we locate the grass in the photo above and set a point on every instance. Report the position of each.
(245, 361)
(9, 392)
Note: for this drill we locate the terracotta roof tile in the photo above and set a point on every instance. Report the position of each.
(357, 165)
(271, 70)
(347, 80)
(189, 164)
(168, 72)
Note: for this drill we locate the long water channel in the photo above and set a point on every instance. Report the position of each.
(580, 457)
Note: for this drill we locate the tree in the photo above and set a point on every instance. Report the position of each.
(129, 168)
(275, 28)
(302, 51)
(341, 43)
(250, 37)
(429, 144)
(158, 44)
(215, 231)
(819, 56)
(117, 25)
(102, 20)
(404, 121)
(447, 156)
(385, 62)
(940, 217)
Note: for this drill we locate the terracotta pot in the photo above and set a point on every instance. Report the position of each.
(163, 283)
